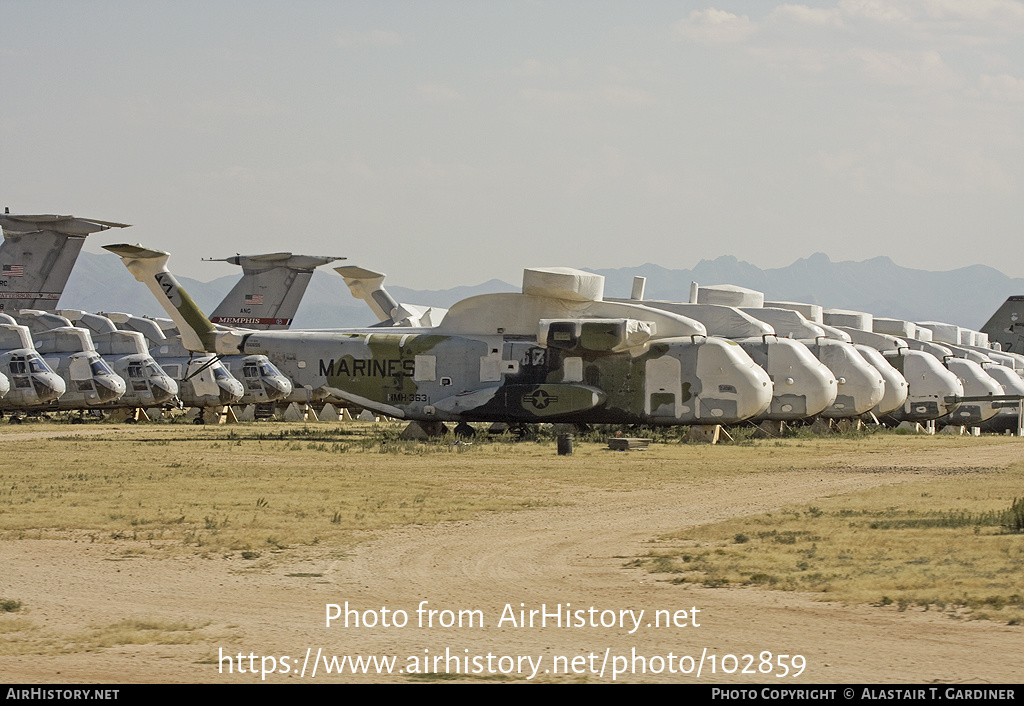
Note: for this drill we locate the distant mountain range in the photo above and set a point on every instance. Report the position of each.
(966, 296)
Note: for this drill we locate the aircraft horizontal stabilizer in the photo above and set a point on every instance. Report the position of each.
(68, 225)
(355, 272)
(267, 257)
(135, 251)
(369, 286)
(276, 259)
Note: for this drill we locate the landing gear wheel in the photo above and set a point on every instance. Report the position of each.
(521, 431)
(464, 430)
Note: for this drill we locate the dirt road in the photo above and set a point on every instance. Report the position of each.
(557, 560)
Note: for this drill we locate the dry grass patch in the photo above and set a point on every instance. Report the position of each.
(24, 638)
(944, 544)
(251, 490)
(11, 628)
(14, 625)
(141, 632)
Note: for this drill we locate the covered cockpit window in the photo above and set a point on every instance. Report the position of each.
(100, 367)
(37, 365)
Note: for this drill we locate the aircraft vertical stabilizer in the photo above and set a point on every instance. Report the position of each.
(150, 268)
(269, 293)
(369, 286)
(1006, 326)
(37, 255)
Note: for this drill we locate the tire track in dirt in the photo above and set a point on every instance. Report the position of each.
(575, 554)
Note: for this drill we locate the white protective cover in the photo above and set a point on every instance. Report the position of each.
(923, 334)
(563, 283)
(836, 334)
(936, 349)
(811, 312)
(632, 332)
(845, 317)
(518, 314)
(981, 339)
(38, 320)
(147, 327)
(786, 322)
(14, 337)
(418, 316)
(941, 332)
(894, 327)
(120, 343)
(730, 295)
(68, 339)
(724, 321)
(969, 352)
(1001, 358)
(874, 339)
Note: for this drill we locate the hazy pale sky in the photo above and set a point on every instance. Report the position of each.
(447, 143)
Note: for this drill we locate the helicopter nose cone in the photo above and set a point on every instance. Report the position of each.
(977, 383)
(164, 388)
(895, 389)
(277, 387)
(932, 390)
(161, 389)
(733, 386)
(48, 386)
(230, 390)
(860, 387)
(109, 387)
(803, 385)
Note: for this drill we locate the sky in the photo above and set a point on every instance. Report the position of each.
(448, 143)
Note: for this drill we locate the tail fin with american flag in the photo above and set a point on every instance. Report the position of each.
(37, 255)
(269, 293)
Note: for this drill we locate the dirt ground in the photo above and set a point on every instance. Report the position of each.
(565, 558)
